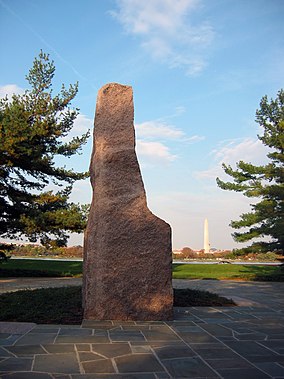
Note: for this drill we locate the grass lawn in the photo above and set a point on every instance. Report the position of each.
(40, 268)
(63, 305)
(228, 272)
(45, 268)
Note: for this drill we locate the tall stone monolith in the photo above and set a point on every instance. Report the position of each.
(127, 249)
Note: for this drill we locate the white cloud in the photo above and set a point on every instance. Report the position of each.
(81, 192)
(153, 152)
(193, 65)
(141, 17)
(152, 134)
(81, 125)
(157, 129)
(194, 139)
(166, 31)
(9, 90)
(248, 150)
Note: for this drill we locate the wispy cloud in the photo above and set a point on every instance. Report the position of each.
(9, 90)
(150, 146)
(153, 152)
(166, 31)
(179, 110)
(152, 139)
(81, 125)
(194, 139)
(157, 129)
(81, 192)
(230, 152)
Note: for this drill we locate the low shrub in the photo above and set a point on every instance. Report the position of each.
(267, 257)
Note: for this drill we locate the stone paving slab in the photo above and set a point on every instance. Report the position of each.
(15, 327)
(64, 363)
(243, 343)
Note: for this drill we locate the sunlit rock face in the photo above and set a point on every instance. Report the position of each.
(127, 249)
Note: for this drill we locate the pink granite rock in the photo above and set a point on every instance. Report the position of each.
(127, 249)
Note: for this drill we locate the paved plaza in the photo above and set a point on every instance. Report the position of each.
(240, 342)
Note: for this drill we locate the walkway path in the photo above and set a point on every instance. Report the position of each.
(16, 284)
(245, 342)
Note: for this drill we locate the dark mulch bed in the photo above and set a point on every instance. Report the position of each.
(63, 305)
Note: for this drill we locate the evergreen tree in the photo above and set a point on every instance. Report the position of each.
(32, 127)
(265, 182)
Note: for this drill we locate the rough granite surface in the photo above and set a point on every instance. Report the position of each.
(127, 249)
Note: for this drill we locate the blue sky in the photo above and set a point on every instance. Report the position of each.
(198, 69)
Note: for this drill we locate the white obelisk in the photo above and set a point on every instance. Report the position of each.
(206, 237)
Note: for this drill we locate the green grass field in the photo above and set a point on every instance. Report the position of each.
(40, 268)
(45, 268)
(228, 272)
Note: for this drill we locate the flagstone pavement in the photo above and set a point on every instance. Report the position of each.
(243, 342)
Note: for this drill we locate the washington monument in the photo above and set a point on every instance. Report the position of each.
(206, 238)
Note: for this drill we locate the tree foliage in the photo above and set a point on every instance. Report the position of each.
(32, 130)
(265, 182)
